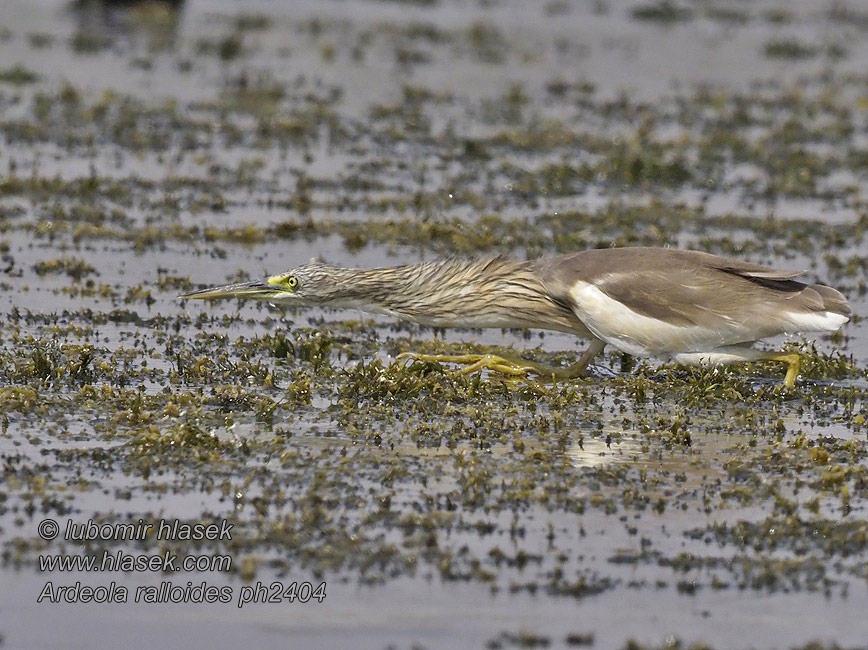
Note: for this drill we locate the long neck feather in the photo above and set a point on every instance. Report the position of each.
(492, 292)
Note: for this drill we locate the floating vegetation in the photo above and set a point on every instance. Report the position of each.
(246, 143)
(664, 11)
(17, 76)
(789, 49)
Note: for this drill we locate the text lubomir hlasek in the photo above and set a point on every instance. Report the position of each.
(165, 529)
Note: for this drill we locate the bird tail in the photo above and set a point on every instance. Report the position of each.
(833, 300)
(820, 309)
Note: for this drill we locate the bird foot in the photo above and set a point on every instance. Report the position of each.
(510, 366)
(473, 362)
(794, 365)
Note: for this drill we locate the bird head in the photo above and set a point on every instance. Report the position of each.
(310, 284)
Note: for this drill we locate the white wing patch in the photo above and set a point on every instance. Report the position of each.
(622, 327)
(818, 321)
(643, 336)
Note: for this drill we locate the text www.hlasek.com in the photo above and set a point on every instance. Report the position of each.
(121, 561)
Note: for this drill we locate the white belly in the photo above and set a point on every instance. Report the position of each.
(644, 336)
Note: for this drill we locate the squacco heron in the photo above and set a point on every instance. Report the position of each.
(691, 307)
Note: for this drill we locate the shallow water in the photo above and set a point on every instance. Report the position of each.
(148, 150)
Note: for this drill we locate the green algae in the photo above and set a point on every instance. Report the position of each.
(331, 457)
(664, 12)
(17, 76)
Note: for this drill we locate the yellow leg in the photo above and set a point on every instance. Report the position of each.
(513, 366)
(794, 364)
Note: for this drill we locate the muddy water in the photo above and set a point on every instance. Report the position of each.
(150, 149)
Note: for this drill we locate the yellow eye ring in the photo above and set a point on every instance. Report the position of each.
(292, 282)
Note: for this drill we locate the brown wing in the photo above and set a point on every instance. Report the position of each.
(694, 289)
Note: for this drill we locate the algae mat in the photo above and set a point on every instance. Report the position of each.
(230, 474)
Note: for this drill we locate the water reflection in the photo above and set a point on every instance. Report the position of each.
(599, 453)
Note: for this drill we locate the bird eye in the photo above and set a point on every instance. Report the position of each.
(292, 282)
